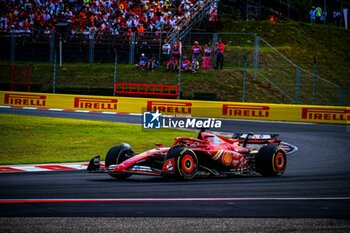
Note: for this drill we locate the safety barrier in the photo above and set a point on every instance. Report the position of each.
(146, 90)
(213, 109)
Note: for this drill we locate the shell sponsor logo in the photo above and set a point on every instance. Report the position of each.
(325, 114)
(95, 103)
(251, 111)
(169, 107)
(25, 100)
(227, 158)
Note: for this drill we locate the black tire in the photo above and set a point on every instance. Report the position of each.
(117, 155)
(271, 161)
(186, 162)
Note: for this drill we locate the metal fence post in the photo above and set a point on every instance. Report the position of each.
(341, 12)
(179, 74)
(244, 78)
(13, 47)
(132, 48)
(115, 70)
(91, 47)
(215, 39)
(54, 74)
(52, 47)
(297, 96)
(256, 55)
(160, 48)
(60, 48)
(179, 81)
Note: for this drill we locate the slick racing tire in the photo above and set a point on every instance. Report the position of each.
(186, 162)
(117, 155)
(271, 161)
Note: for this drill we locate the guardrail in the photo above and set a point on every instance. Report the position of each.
(146, 90)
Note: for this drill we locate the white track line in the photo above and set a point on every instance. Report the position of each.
(84, 111)
(141, 200)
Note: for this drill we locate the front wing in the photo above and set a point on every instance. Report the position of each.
(95, 167)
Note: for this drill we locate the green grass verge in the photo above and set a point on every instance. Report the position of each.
(31, 139)
(226, 84)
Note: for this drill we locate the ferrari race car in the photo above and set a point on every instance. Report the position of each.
(207, 155)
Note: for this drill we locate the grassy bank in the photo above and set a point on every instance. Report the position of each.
(97, 79)
(300, 42)
(30, 139)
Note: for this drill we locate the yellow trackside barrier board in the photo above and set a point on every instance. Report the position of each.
(72, 102)
(215, 109)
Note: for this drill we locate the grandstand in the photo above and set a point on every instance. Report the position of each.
(113, 24)
(84, 16)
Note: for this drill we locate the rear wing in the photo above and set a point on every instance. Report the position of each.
(253, 138)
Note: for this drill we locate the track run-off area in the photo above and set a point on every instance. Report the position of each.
(315, 185)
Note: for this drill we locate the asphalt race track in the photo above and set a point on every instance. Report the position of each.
(316, 183)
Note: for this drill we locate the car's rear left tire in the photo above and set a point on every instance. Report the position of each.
(117, 155)
(271, 161)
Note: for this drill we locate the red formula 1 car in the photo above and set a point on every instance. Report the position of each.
(206, 155)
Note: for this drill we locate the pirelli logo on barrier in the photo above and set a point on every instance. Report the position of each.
(325, 114)
(25, 100)
(169, 107)
(95, 103)
(250, 111)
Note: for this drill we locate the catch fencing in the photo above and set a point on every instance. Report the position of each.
(257, 65)
(298, 85)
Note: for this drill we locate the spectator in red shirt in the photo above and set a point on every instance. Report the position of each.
(185, 64)
(140, 29)
(176, 49)
(172, 64)
(196, 50)
(207, 64)
(219, 51)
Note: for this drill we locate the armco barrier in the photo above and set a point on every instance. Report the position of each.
(249, 111)
(146, 90)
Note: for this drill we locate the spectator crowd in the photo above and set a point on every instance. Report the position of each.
(173, 59)
(115, 16)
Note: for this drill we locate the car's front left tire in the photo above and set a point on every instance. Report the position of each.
(117, 155)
